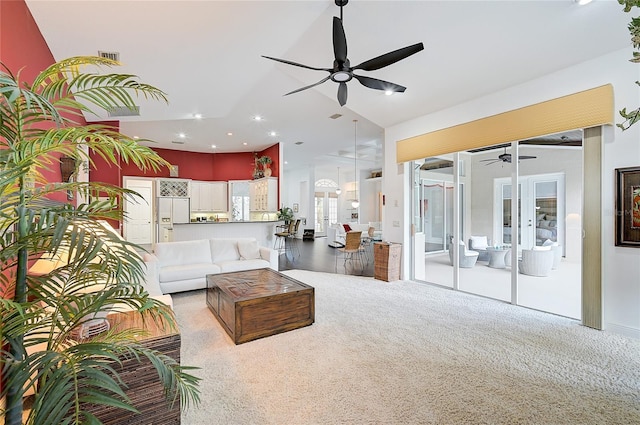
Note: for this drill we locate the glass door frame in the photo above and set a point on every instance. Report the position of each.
(528, 202)
(328, 212)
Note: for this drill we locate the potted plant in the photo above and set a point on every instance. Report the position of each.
(101, 271)
(265, 161)
(285, 213)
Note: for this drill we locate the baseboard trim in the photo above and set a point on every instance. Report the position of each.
(622, 330)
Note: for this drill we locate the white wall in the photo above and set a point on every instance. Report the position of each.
(621, 266)
(297, 188)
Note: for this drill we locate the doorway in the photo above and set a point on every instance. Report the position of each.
(326, 208)
(137, 227)
(546, 217)
(541, 201)
(437, 214)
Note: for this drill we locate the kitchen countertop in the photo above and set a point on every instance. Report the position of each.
(229, 222)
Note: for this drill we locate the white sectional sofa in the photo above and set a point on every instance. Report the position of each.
(183, 266)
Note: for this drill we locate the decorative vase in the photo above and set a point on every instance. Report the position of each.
(267, 170)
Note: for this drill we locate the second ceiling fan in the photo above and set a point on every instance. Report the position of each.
(505, 157)
(342, 72)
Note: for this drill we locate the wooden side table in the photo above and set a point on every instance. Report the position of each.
(386, 261)
(141, 378)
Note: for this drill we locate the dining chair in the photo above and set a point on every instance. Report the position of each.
(280, 243)
(352, 250)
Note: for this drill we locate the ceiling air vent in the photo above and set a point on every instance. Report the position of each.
(114, 56)
(123, 111)
(177, 142)
(335, 116)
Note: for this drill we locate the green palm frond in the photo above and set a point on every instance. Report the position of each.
(94, 271)
(633, 116)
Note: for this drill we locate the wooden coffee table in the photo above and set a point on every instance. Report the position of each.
(257, 303)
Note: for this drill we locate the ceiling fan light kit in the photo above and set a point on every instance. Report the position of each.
(342, 72)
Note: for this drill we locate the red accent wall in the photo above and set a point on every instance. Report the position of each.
(22, 48)
(21, 43)
(103, 171)
(207, 166)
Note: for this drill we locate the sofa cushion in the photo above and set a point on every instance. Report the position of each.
(478, 242)
(240, 265)
(187, 271)
(248, 249)
(224, 250)
(183, 253)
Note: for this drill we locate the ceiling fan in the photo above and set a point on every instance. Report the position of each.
(505, 157)
(342, 72)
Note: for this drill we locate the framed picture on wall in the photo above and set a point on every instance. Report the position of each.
(628, 207)
(296, 207)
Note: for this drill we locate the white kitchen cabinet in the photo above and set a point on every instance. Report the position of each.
(219, 196)
(263, 194)
(208, 196)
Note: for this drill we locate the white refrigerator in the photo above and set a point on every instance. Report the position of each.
(171, 211)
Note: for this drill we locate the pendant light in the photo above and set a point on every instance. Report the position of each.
(355, 203)
(338, 190)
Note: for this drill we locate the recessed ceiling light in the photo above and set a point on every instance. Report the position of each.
(245, 143)
(213, 146)
(583, 2)
(229, 134)
(273, 133)
(257, 118)
(182, 135)
(286, 162)
(388, 92)
(136, 137)
(197, 116)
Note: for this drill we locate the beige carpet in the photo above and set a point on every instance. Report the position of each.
(410, 353)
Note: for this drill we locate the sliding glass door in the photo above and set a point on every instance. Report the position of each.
(433, 220)
(475, 233)
(437, 213)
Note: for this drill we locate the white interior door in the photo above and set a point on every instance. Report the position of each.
(138, 223)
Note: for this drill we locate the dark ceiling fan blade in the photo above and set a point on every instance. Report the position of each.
(309, 86)
(339, 41)
(526, 157)
(296, 64)
(389, 58)
(342, 94)
(374, 83)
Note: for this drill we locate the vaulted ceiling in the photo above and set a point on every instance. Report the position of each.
(206, 55)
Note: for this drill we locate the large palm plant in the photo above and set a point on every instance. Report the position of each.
(39, 122)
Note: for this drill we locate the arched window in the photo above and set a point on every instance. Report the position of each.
(324, 184)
